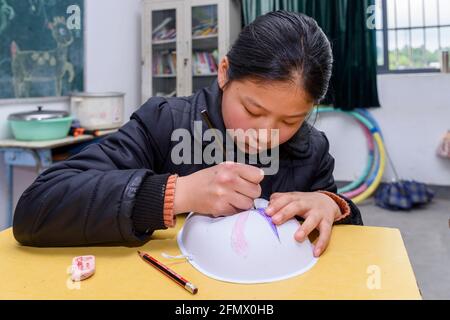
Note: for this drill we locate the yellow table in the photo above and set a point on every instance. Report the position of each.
(360, 263)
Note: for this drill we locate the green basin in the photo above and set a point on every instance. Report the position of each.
(41, 130)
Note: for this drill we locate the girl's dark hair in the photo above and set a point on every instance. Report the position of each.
(280, 46)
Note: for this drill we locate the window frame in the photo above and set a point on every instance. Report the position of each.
(384, 69)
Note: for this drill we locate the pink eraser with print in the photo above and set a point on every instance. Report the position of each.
(83, 267)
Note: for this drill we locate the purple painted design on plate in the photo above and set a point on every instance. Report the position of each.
(238, 241)
(263, 213)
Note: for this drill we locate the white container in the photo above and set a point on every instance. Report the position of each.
(98, 111)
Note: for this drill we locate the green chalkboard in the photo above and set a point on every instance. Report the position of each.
(41, 48)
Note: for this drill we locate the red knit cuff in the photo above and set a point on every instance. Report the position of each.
(342, 204)
(169, 196)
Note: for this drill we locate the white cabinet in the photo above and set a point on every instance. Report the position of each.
(182, 43)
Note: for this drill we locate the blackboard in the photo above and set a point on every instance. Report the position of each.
(41, 48)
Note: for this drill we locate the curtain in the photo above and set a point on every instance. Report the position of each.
(354, 81)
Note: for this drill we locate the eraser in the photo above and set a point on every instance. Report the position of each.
(83, 267)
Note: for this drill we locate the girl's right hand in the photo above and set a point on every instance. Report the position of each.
(221, 190)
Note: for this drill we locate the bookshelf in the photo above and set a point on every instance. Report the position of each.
(183, 42)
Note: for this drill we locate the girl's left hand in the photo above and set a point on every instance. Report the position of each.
(318, 210)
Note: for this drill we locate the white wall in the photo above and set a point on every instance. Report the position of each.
(112, 63)
(113, 49)
(415, 114)
(415, 109)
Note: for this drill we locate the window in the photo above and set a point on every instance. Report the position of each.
(411, 34)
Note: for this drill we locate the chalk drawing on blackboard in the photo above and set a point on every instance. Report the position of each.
(46, 64)
(39, 7)
(32, 66)
(6, 15)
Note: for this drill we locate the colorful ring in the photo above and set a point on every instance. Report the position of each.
(370, 179)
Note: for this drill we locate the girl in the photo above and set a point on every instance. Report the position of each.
(123, 188)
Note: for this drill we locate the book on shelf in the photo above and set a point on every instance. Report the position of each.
(204, 63)
(163, 24)
(204, 21)
(205, 29)
(165, 63)
(164, 31)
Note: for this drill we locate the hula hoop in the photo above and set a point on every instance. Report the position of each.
(372, 155)
(357, 183)
(374, 172)
(376, 180)
(376, 183)
(370, 179)
(371, 158)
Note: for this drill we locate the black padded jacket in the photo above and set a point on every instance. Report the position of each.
(112, 192)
